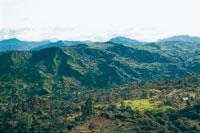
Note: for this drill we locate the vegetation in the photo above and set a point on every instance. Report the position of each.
(81, 67)
(152, 107)
(101, 88)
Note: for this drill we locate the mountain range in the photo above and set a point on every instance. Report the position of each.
(86, 66)
(18, 45)
(121, 85)
(64, 43)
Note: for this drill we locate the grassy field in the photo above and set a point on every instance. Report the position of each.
(144, 104)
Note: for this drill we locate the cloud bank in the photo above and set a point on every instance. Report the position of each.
(69, 33)
(98, 19)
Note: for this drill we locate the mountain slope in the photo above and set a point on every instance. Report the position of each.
(138, 55)
(184, 54)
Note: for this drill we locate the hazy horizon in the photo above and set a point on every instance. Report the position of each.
(94, 40)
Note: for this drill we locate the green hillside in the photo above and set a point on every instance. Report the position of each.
(107, 65)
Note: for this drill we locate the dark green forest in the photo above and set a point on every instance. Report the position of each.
(152, 107)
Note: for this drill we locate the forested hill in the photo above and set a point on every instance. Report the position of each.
(106, 65)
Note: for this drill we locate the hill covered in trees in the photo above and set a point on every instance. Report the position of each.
(107, 65)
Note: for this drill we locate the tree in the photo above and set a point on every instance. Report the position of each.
(24, 122)
(88, 108)
(123, 107)
(91, 127)
(188, 104)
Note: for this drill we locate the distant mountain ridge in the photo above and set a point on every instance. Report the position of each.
(184, 38)
(117, 40)
(18, 45)
(64, 43)
(124, 40)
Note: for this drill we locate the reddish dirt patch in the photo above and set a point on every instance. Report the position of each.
(100, 123)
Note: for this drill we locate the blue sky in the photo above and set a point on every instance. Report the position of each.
(100, 20)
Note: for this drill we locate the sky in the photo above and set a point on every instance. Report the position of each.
(98, 20)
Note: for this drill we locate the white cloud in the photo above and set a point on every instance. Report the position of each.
(145, 20)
